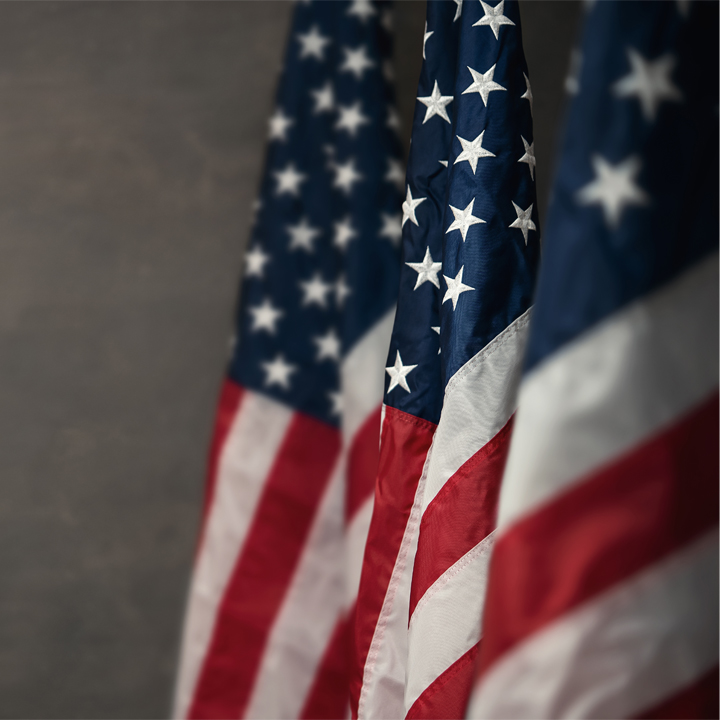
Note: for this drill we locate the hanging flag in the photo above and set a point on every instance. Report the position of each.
(470, 251)
(295, 450)
(603, 589)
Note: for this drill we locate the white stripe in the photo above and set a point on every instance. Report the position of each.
(356, 536)
(447, 620)
(383, 685)
(309, 613)
(362, 375)
(479, 400)
(246, 458)
(624, 652)
(614, 386)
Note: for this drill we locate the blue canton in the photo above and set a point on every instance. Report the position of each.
(323, 260)
(636, 193)
(470, 227)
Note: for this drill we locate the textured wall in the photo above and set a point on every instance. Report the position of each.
(131, 140)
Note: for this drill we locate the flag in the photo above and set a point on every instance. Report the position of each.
(603, 590)
(295, 449)
(470, 251)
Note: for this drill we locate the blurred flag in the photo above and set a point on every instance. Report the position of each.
(470, 251)
(294, 456)
(603, 590)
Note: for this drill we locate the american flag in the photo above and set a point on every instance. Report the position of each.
(603, 590)
(294, 455)
(470, 252)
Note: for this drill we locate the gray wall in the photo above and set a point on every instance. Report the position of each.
(128, 164)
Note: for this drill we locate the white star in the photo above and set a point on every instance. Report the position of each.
(436, 328)
(649, 81)
(302, 236)
(395, 173)
(435, 104)
(483, 83)
(328, 346)
(289, 180)
(524, 220)
(444, 163)
(472, 150)
(427, 270)
(315, 291)
(391, 228)
(464, 219)
(344, 233)
(312, 44)
(614, 188)
(458, 9)
(265, 317)
(362, 10)
(336, 400)
(351, 118)
(426, 36)
(255, 261)
(398, 373)
(529, 156)
(279, 125)
(393, 119)
(527, 95)
(408, 207)
(278, 372)
(324, 98)
(455, 287)
(494, 17)
(356, 61)
(342, 290)
(346, 175)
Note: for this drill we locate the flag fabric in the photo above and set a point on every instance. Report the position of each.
(603, 589)
(470, 251)
(295, 450)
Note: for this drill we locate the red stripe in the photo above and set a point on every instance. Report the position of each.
(265, 567)
(699, 700)
(328, 696)
(228, 405)
(460, 515)
(604, 529)
(363, 464)
(447, 696)
(405, 442)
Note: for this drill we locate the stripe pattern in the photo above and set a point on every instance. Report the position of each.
(468, 274)
(295, 452)
(602, 594)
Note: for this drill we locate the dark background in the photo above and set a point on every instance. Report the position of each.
(131, 142)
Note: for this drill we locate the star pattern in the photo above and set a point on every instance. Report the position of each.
(315, 291)
(649, 81)
(324, 98)
(614, 188)
(265, 317)
(472, 150)
(312, 44)
(527, 95)
(346, 175)
(436, 104)
(426, 37)
(303, 236)
(483, 83)
(279, 125)
(494, 17)
(391, 228)
(362, 9)
(529, 156)
(524, 220)
(464, 220)
(356, 61)
(395, 173)
(351, 118)
(328, 346)
(289, 180)
(344, 233)
(278, 372)
(427, 270)
(409, 206)
(255, 261)
(455, 287)
(398, 374)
